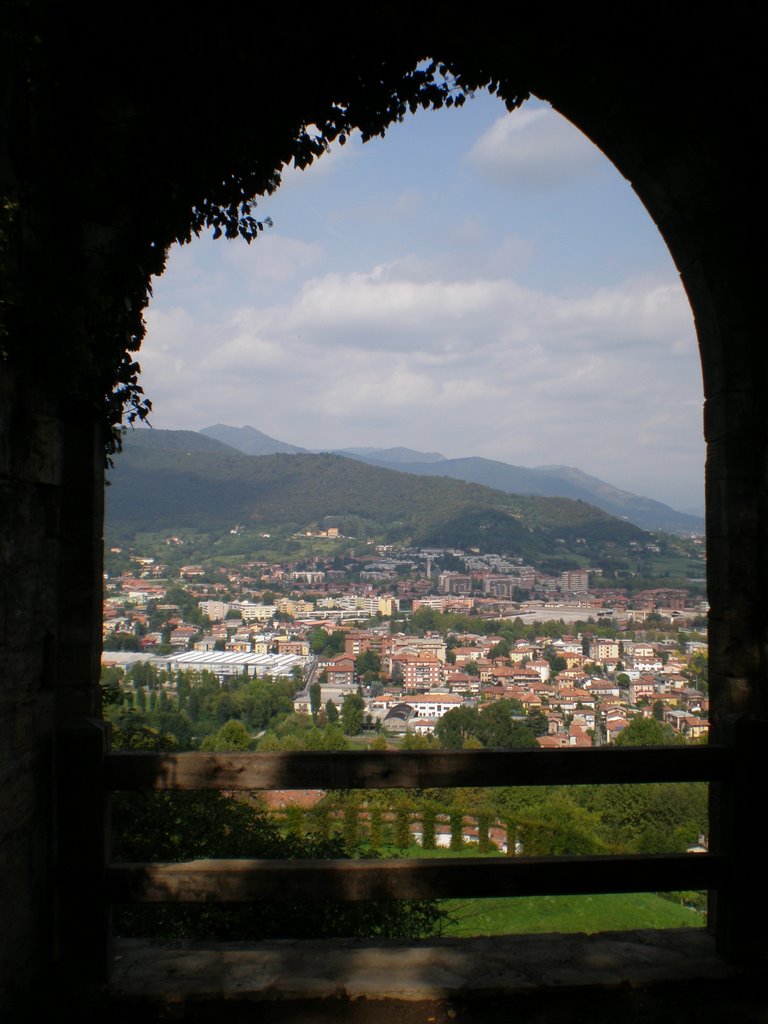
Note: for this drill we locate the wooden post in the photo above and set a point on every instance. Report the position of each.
(83, 926)
(738, 909)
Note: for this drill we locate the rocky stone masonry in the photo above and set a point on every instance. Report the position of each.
(674, 106)
(529, 978)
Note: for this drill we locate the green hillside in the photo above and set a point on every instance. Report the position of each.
(554, 481)
(171, 480)
(530, 915)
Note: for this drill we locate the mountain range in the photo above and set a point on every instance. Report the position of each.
(166, 480)
(544, 481)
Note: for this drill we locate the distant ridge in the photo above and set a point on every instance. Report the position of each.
(250, 440)
(182, 441)
(390, 455)
(561, 482)
(543, 481)
(639, 510)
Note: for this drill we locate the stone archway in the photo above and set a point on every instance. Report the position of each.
(106, 146)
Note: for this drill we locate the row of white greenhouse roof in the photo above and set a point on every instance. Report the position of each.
(235, 662)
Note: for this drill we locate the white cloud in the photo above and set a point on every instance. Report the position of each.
(475, 367)
(408, 320)
(534, 148)
(203, 275)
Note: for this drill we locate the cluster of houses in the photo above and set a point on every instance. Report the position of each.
(587, 687)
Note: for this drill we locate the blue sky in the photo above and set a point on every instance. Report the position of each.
(476, 283)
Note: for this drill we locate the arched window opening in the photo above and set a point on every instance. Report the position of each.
(165, 129)
(476, 284)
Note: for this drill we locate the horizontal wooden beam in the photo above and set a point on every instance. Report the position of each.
(425, 769)
(241, 881)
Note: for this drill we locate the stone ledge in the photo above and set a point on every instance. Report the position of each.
(412, 972)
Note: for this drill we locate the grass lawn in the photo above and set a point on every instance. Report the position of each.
(531, 914)
(468, 850)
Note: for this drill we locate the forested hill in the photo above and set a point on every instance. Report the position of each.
(551, 481)
(169, 480)
(544, 481)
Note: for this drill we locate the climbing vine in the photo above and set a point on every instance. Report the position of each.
(109, 178)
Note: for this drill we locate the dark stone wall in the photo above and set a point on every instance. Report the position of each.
(676, 113)
(30, 474)
(50, 573)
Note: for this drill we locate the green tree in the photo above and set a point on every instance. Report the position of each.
(269, 743)
(457, 830)
(647, 732)
(320, 642)
(294, 821)
(650, 818)
(484, 844)
(556, 826)
(498, 727)
(499, 650)
(403, 836)
(537, 722)
(317, 638)
(351, 822)
(315, 696)
(698, 670)
(375, 828)
(231, 737)
(415, 741)
(112, 676)
(334, 738)
(428, 827)
(121, 642)
(320, 820)
(226, 709)
(352, 714)
(368, 665)
(331, 712)
(456, 726)
(132, 731)
(177, 724)
(424, 620)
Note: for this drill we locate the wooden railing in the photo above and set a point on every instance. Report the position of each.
(404, 878)
(729, 871)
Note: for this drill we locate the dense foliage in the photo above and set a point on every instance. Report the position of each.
(499, 725)
(189, 826)
(583, 819)
(185, 826)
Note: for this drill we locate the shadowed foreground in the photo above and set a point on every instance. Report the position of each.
(632, 976)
